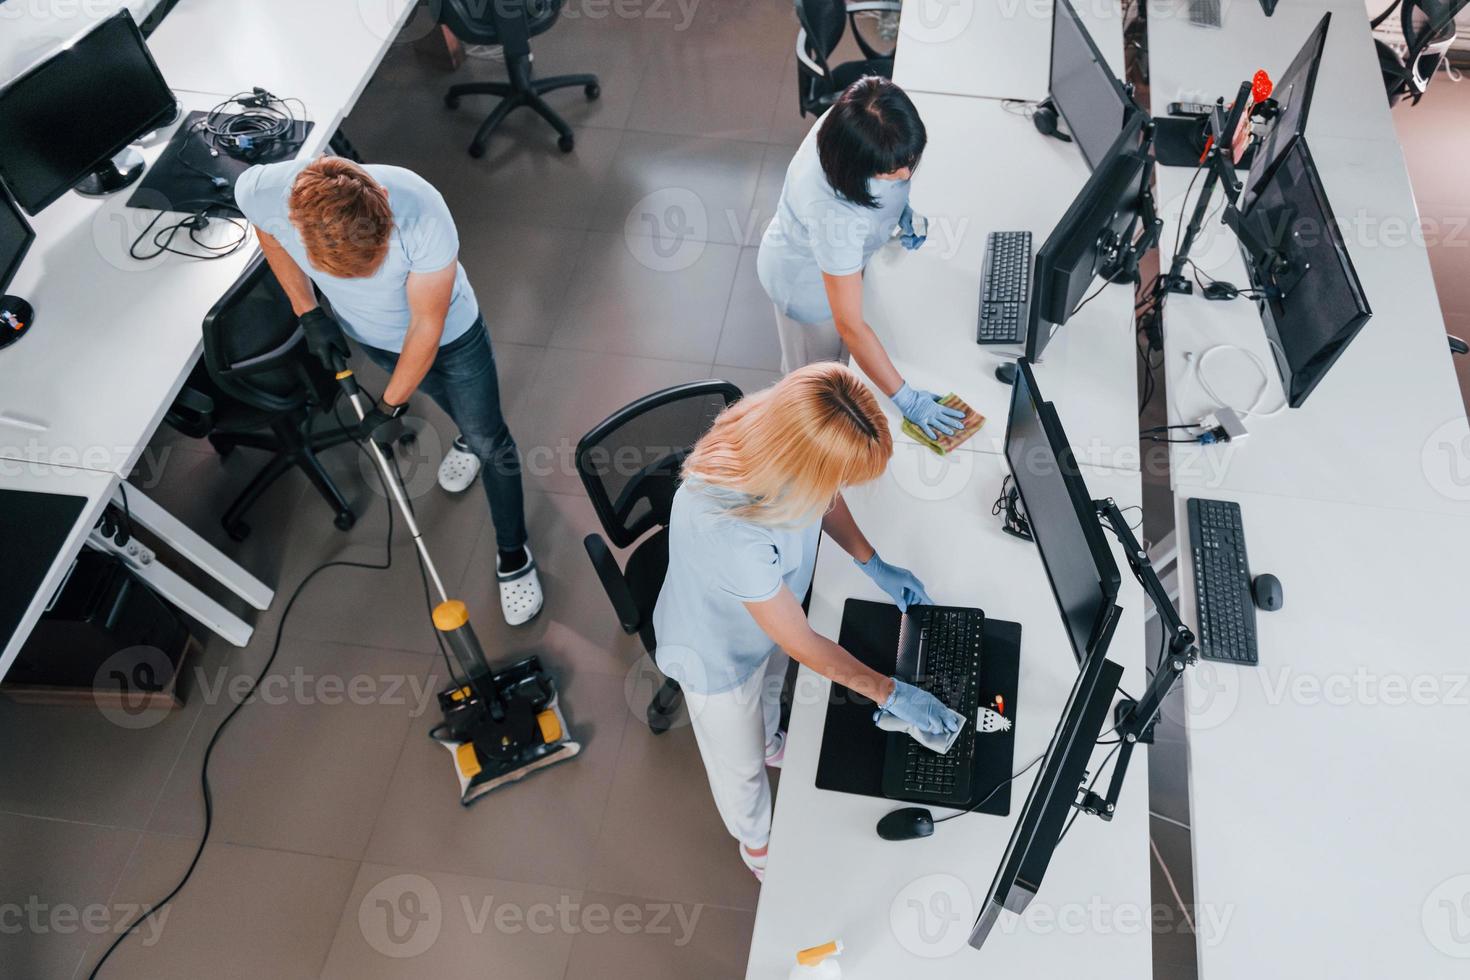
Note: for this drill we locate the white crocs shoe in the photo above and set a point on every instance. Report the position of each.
(458, 469)
(520, 591)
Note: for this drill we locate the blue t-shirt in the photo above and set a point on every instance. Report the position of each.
(373, 309)
(707, 640)
(816, 230)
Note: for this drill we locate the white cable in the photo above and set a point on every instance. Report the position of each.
(1197, 371)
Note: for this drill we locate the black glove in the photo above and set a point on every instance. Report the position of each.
(384, 424)
(324, 338)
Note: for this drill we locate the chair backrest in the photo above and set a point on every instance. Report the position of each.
(630, 462)
(254, 348)
(822, 25)
(509, 23)
(1429, 29)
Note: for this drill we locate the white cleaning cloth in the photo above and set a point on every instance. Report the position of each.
(940, 743)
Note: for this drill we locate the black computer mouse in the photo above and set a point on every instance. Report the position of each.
(906, 824)
(1266, 590)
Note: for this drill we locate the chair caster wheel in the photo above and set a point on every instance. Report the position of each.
(222, 449)
(659, 724)
(477, 150)
(593, 91)
(451, 101)
(566, 143)
(238, 531)
(345, 520)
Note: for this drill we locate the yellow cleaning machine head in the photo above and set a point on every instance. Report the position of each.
(500, 726)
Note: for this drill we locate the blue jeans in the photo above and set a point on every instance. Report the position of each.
(463, 383)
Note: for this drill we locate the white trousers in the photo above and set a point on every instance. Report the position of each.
(733, 731)
(807, 343)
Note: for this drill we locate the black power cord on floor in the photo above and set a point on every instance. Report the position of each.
(208, 797)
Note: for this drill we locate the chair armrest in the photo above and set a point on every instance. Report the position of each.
(805, 58)
(613, 582)
(870, 6)
(191, 413)
(1458, 346)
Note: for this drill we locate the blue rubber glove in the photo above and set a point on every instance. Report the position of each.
(910, 238)
(902, 585)
(923, 409)
(919, 708)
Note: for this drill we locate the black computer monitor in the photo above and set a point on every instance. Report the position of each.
(1091, 239)
(63, 121)
(1311, 302)
(1079, 565)
(1088, 96)
(1292, 94)
(1042, 821)
(15, 240)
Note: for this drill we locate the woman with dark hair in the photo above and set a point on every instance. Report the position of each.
(846, 192)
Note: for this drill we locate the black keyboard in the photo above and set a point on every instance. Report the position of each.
(1222, 582)
(949, 642)
(1005, 288)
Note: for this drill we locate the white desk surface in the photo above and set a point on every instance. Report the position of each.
(830, 876)
(1327, 789)
(1386, 426)
(1199, 64)
(924, 304)
(30, 31)
(995, 49)
(322, 52)
(96, 487)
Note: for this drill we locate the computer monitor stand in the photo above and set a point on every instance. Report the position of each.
(121, 171)
(16, 316)
(1135, 720)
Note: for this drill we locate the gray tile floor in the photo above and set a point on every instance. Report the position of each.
(339, 845)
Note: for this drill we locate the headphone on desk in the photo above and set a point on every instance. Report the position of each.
(1046, 120)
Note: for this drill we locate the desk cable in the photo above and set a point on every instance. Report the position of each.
(986, 799)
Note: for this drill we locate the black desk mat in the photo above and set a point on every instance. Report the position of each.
(168, 185)
(851, 759)
(33, 527)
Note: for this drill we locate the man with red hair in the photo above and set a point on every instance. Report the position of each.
(381, 246)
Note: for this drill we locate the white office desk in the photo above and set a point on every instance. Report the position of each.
(1386, 426)
(114, 337)
(1200, 64)
(830, 876)
(31, 30)
(987, 169)
(1327, 789)
(322, 51)
(96, 488)
(995, 49)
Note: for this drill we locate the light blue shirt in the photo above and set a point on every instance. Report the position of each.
(373, 309)
(707, 640)
(816, 230)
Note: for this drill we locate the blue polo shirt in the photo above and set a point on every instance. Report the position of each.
(707, 640)
(816, 230)
(372, 309)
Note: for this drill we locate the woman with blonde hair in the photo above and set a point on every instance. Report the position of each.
(758, 490)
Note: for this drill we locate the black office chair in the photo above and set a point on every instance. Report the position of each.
(1458, 346)
(1429, 30)
(258, 387)
(823, 23)
(511, 24)
(630, 466)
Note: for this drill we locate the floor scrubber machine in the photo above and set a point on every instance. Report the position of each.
(500, 725)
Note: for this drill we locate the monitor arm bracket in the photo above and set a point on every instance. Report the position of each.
(1134, 720)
